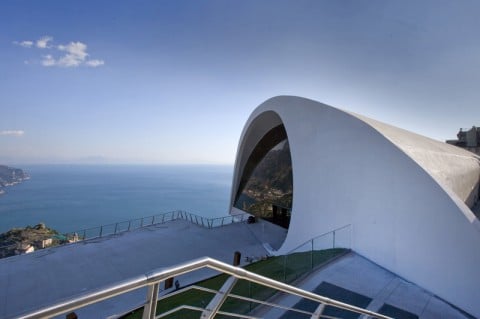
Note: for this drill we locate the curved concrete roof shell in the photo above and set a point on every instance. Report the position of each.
(454, 168)
(406, 196)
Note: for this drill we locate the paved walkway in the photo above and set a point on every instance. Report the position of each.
(360, 275)
(44, 277)
(47, 276)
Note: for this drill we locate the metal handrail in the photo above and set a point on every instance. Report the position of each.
(173, 216)
(153, 279)
(154, 220)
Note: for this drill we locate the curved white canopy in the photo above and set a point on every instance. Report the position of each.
(406, 196)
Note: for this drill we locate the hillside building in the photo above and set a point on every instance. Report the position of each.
(468, 139)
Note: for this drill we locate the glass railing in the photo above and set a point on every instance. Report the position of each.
(120, 227)
(315, 252)
(129, 225)
(226, 220)
(294, 265)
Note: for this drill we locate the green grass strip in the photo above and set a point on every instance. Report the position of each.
(282, 268)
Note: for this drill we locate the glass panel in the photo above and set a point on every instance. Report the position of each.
(268, 191)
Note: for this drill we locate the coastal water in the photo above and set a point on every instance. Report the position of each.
(74, 197)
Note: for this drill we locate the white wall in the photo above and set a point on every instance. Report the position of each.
(345, 171)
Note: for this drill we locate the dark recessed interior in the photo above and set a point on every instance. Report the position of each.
(266, 184)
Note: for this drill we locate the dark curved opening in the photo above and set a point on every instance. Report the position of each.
(266, 185)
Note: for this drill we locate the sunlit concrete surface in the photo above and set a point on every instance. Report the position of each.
(408, 198)
(47, 276)
(357, 274)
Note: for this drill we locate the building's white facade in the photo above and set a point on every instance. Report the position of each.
(406, 196)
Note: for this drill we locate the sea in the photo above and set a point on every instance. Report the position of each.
(70, 198)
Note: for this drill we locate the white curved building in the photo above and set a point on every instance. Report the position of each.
(408, 198)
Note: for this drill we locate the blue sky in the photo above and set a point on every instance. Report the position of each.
(159, 82)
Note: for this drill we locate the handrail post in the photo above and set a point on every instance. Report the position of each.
(84, 234)
(101, 231)
(141, 223)
(115, 231)
(150, 308)
(311, 257)
(350, 237)
(218, 300)
(333, 239)
(129, 224)
(222, 220)
(250, 294)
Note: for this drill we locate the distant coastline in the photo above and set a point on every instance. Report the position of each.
(10, 176)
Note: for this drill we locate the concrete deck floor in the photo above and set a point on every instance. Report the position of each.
(357, 274)
(47, 276)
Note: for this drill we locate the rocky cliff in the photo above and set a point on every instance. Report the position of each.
(10, 176)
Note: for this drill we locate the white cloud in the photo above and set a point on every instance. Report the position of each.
(94, 63)
(48, 60)
(76, 54)
(12, 132)
(73, 54)
(25, 44)
(78, 49)
(42, 43)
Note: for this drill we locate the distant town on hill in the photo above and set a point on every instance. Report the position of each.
(10, 176)
(19, 241)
